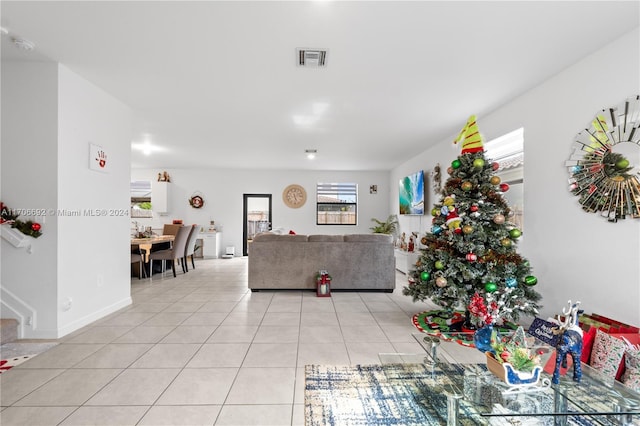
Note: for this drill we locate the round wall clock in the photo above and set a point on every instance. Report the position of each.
(294, 196)
(605, 165)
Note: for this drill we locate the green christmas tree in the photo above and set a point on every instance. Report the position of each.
(472, 245)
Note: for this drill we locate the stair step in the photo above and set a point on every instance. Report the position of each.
(8, 330)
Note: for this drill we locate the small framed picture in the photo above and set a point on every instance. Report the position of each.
(373, 189)
(98, 159)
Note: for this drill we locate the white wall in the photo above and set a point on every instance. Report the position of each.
(30, 181)
(575, 255)
(223, 191)
(93, 251)
(49, 116)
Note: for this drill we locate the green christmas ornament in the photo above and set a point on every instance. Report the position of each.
(622, 164)
(456, 164)
(478, 163)
(530, 280)
(424, 276)
(439, 265)
(515, 233)
(490, 287)
(435, 212)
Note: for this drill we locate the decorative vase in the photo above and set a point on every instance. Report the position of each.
(482, 338)
(511, 376)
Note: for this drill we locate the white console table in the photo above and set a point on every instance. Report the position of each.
(406, 261)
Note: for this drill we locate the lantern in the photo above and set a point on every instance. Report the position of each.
(323, 284)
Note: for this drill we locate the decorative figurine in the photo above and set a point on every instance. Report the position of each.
(569, 342)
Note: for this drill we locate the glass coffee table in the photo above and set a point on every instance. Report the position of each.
(475, 396)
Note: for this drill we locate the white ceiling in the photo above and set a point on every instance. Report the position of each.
(215, 84)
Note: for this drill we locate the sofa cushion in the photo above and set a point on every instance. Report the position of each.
(368, 238)
(326, 238)
(607, 353)
(285, 238)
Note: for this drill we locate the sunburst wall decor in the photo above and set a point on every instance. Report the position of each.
(604, 167)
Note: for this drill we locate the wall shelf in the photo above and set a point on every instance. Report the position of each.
(15, 237)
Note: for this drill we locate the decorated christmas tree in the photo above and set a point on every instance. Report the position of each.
(470, 254)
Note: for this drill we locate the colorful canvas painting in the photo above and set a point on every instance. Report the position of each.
(411, 193)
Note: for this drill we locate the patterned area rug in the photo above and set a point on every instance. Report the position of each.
(398, 394)
(7, 364)
(14, 354)
(411, 395)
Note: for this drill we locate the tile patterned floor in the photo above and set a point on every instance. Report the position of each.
(201, 349)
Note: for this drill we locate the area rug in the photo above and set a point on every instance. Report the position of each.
(408, 395)
(6, 364)
(398, 394)
(14, 354)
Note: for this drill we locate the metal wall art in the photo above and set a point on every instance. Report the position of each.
(605, 166)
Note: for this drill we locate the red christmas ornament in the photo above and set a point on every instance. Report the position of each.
(473, 208)
(458, 230)
(471, 257)
(36, 227)
(504, 187)
(495, 166)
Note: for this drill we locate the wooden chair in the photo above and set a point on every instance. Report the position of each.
(191, 246)
(171, 229)
(176, 252)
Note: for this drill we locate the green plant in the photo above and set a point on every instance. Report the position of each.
(387, 227)
(517, 355)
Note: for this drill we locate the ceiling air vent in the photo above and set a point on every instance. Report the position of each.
(312, 58)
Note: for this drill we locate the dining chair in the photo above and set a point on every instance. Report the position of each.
(171, 229)
(139, 258)
(176, 252)
(191, 246)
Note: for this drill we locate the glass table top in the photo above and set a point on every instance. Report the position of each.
(595, 400)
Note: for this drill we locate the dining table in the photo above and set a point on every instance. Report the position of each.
(146, 243)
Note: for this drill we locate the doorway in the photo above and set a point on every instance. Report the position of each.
(256, 213)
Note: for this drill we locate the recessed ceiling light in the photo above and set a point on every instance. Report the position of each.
(311, 153)
(146, 147)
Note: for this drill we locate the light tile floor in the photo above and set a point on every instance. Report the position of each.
(201, 349)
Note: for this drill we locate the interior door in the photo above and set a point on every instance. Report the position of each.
(256, 212)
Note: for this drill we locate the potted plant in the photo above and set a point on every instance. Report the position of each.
(387, 227)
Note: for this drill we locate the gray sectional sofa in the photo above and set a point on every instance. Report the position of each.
(355, 262)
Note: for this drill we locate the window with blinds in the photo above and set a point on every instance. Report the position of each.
(337, 203)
